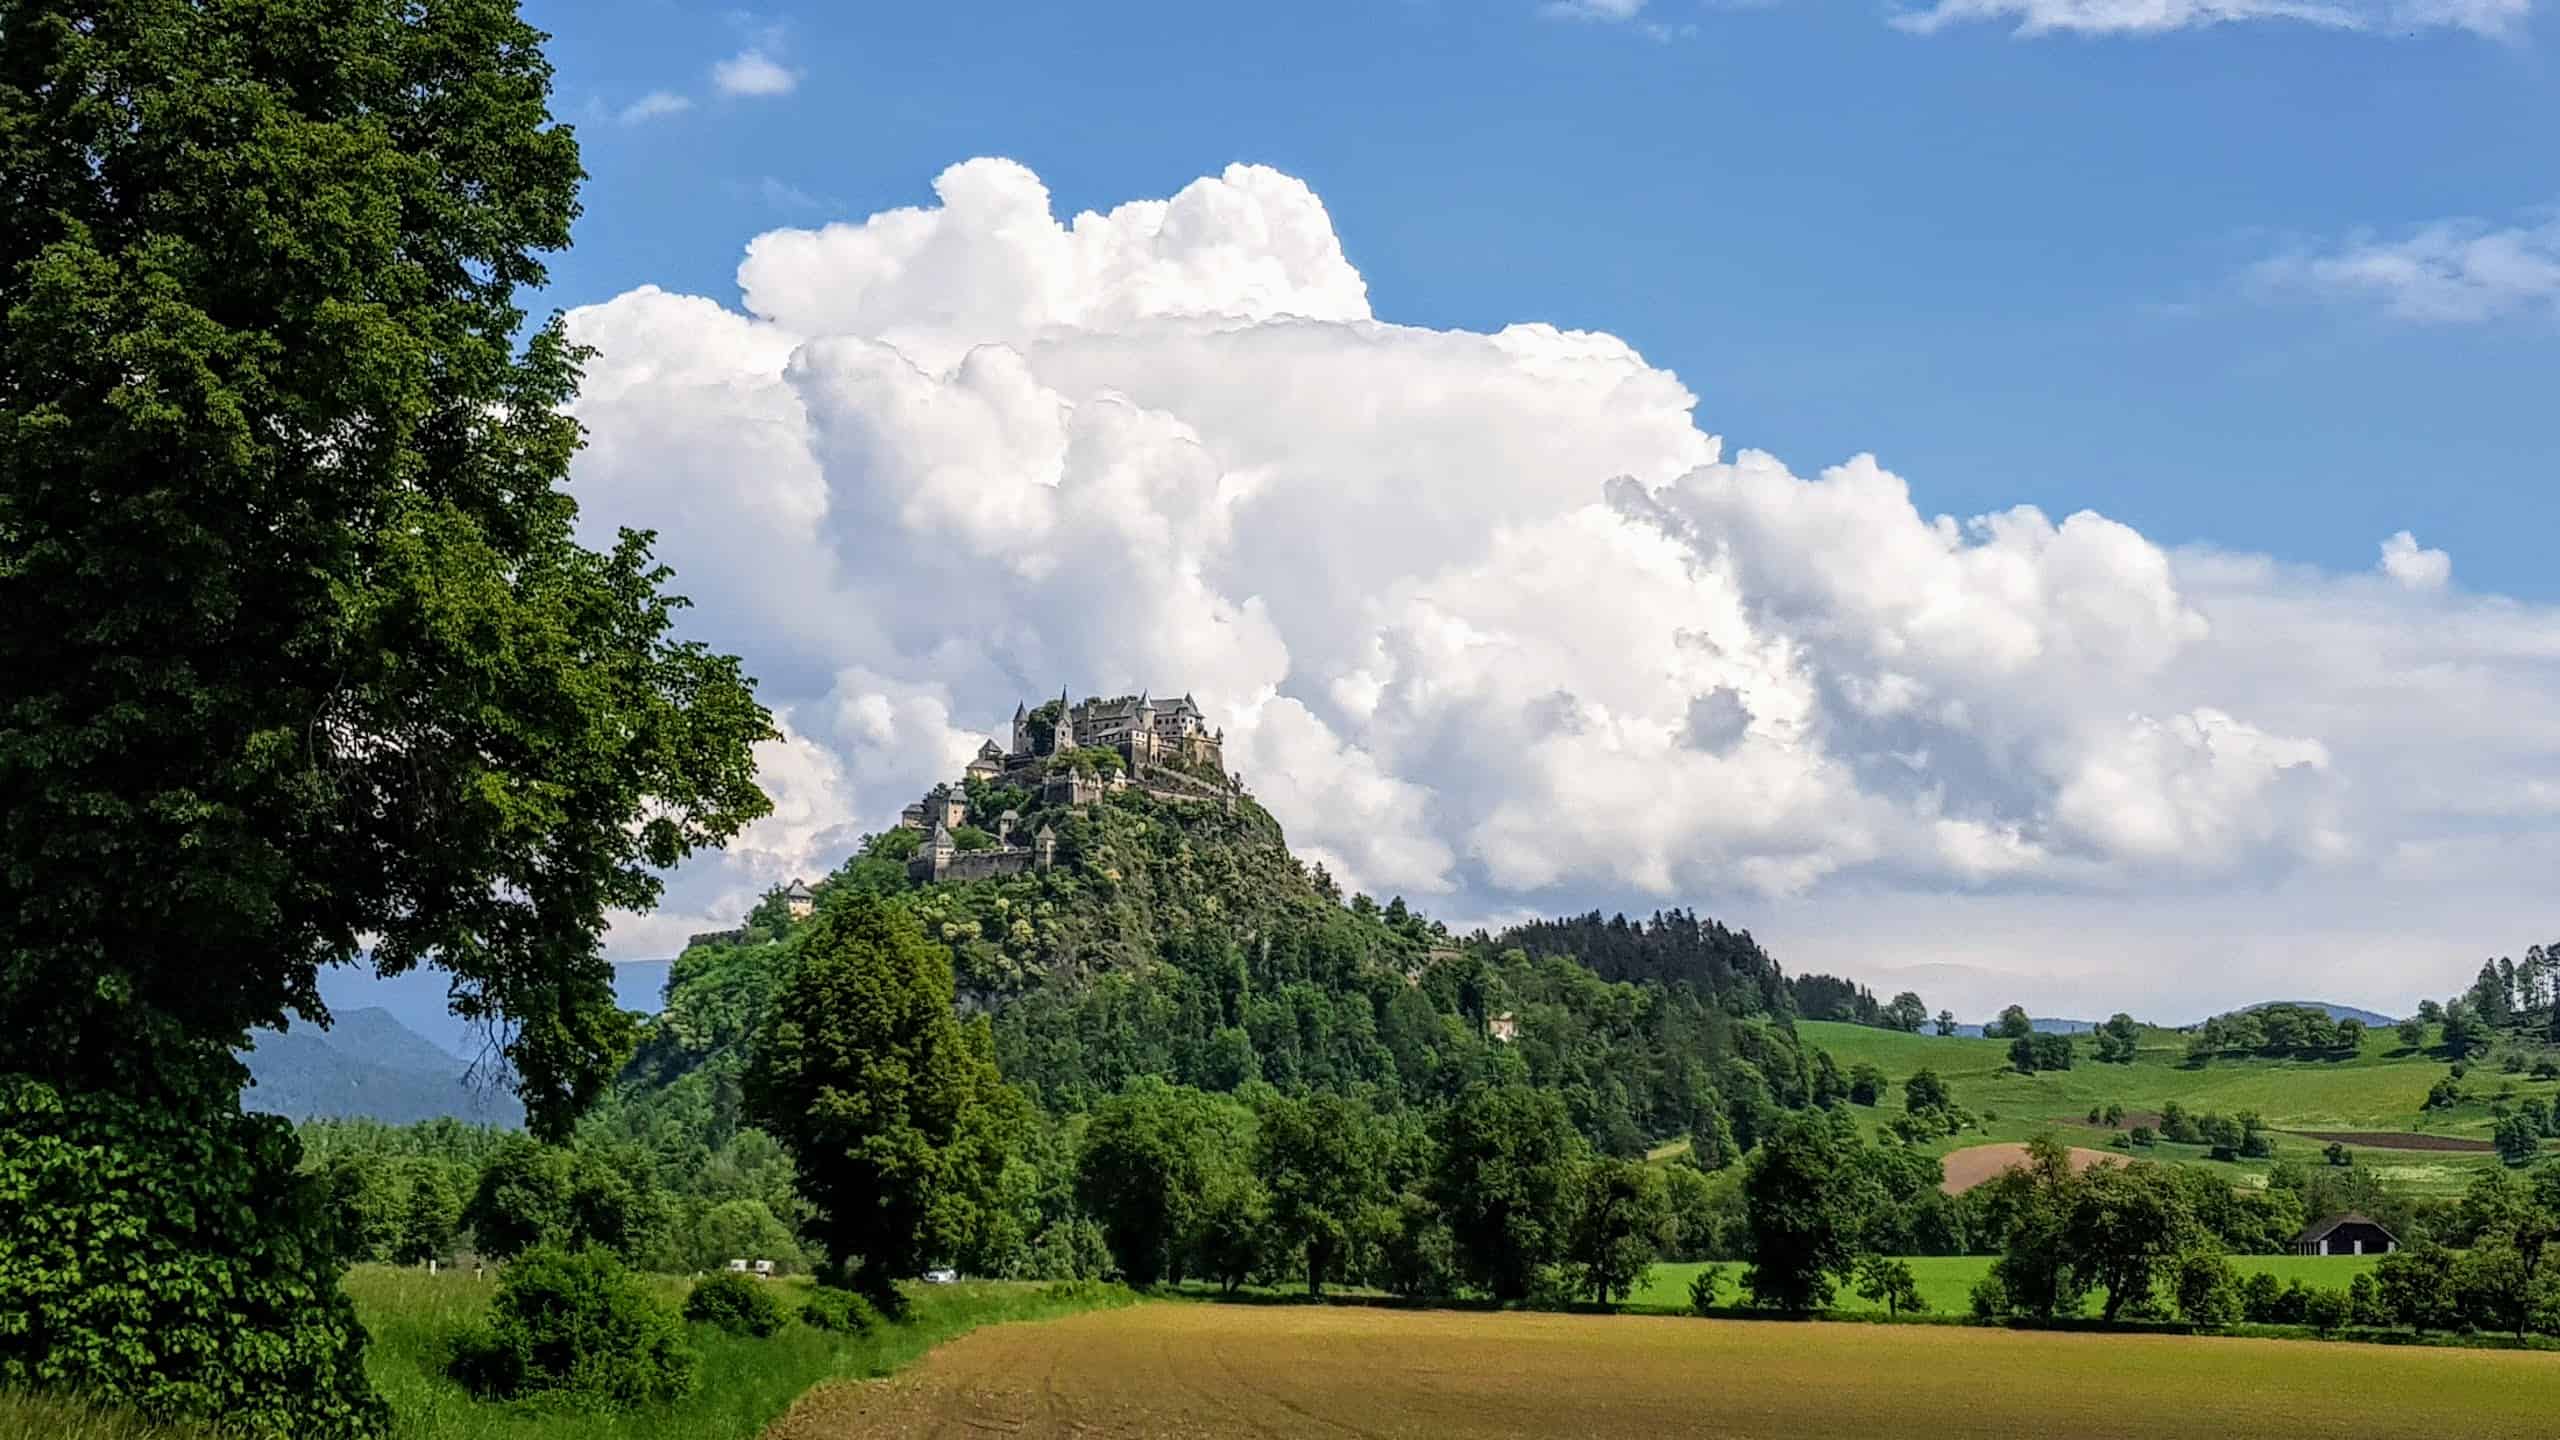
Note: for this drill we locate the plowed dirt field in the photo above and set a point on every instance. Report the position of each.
(1287, 1372)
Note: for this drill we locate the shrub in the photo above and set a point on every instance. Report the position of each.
(2142, 1135)
(2208, 1290)
(1703, 1288)
(736, 1303)
(1990, 1298)
(576, 1323)
(2337, 1154)
(2546, 1068)
(842, 1311)
(171, 1259)
(2364, 1303)
(2261, 1299)
(2326, 1310)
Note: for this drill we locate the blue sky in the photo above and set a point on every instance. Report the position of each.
(1282, 422)
(2017, 269)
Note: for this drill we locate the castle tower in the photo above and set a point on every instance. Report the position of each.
(1065, 737)
(1044, 846)
(1004, 826)
(1021, 729)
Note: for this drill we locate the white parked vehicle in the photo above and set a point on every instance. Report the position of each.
(941, 1277)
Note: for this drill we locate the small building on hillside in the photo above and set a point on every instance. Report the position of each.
(800, 900)
(1503, 1028)
(2348, 1234)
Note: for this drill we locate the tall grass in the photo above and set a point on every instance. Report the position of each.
(48, 1417)
(746, 1384)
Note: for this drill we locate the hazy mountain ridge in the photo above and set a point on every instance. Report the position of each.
(368, 1064)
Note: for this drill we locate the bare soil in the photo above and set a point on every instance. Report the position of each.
(2398, 1140)
(1975, 1164)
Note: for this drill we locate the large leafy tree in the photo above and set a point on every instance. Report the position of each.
(1508, 1163)
(890, 1106)
(1319, 1159)
(1806, 1202)
(302, 662)
(300, 655)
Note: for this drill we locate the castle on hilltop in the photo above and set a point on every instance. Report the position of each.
(1165, 748)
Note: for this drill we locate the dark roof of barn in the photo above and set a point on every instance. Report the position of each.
(2320, 1230)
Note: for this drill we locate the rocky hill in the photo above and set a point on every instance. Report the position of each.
(1180, 938)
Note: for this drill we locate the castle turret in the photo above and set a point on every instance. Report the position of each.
(1064, 738)
(1044, 846)
(1021, 728)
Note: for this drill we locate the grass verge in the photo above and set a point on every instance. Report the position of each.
(745, 1384)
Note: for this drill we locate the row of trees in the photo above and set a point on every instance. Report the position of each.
(1498, 1195)
(2276, 1030)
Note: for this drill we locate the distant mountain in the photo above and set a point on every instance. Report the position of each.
(2333, 1010)
(368, 1064)
(418, 999)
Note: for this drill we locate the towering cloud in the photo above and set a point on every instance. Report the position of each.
(1492, 622)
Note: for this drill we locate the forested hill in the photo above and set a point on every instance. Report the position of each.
(1674, 948)
(1181, 940)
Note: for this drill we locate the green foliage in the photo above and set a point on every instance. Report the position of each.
(1151, 1156)
(1504, 1180)
(739, 1304)
(839, 1312)
(1704, 1288)
(2039, 1051)
(1622, 1223)
(174, 1261)
(576, 1324)
(1889, 1283)
(890, 1107)
(2013, 1024)
(2206, 1289)
(2418, 1287)
(300, 649)
(1318, 1159)
(1866, 1084)
(2518, 1138)
(301, 661)
(2117, 1039)
(1803, 1205)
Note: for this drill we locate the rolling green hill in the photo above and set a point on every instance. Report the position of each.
(2381, 1088)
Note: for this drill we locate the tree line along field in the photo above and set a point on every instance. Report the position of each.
(1284, 1372)
(2381, 1088)
(1946, 1281)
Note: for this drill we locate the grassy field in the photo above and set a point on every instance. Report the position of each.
(1947, 1281)
(1309, 1371)
(2378, 1089)
(745, 1384)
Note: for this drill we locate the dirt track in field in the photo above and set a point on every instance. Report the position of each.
(1312, 1373)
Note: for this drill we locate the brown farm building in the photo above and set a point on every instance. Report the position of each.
(2348, 1234)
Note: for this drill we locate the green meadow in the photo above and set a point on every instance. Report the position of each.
(1947, 1281)
(2380, 1088)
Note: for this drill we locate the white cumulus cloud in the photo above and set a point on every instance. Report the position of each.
(2404, 560)
(1492, 622)
(752, 72)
